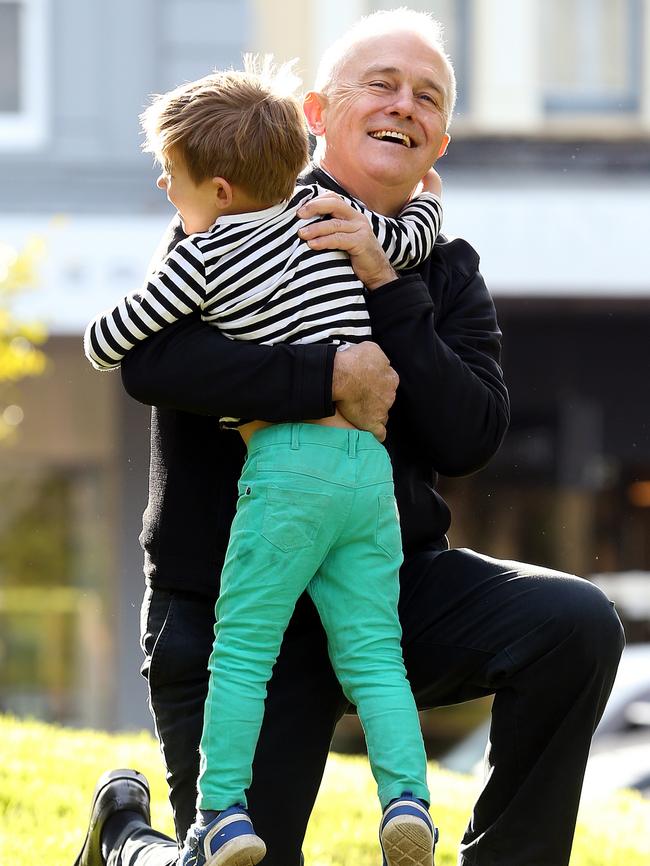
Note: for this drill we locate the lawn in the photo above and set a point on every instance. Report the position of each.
(47, 775)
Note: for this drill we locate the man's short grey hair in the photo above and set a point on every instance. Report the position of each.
(385, 22)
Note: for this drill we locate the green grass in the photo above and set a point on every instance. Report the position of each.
(47, 775)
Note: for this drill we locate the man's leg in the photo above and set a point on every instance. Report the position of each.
(303, 704)
(548, 646)
(119, 811)
(177, 634)
(176, 637)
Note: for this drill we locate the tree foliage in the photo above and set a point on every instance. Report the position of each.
(20, 355)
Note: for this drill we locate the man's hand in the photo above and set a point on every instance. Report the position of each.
(364, 386)
(348, 230)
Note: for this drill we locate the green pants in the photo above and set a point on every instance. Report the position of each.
(316, 512)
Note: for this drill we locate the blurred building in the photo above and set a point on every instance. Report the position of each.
(548, 176)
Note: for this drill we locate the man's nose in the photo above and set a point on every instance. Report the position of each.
(403, 103)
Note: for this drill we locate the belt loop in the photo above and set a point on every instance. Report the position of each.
(353, 439)
(295, 437)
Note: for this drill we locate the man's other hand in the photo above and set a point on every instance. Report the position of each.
(364, 386)
(347, 229)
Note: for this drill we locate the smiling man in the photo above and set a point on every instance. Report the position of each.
(381, 108)
(545, 644)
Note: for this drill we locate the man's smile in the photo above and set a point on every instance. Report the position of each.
(393, 136)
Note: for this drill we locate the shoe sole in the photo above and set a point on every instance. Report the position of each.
(101, 813)
(242, 851)
(407, 841)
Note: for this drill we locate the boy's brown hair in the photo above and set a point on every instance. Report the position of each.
(246, 127)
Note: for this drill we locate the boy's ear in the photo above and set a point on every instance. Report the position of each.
(223, 192)
(313, 106)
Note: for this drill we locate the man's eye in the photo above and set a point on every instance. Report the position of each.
(380, 84)
(427, 97)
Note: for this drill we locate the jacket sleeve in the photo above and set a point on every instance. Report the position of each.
(444, 342)
(177, 289)
(190, 366)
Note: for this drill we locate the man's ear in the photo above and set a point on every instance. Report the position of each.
(444, 145)
(223, 192)
(314, 105)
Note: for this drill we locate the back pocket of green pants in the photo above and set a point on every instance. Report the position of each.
(292, 518)
(389, 537)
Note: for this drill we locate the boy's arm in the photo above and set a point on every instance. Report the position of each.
(408, 239)
(432, 182)
(192, 367)
(344, 226)
(175, 290)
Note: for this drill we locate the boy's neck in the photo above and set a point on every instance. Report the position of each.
(242, 202)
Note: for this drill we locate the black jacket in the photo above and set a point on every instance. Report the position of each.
(438, 327)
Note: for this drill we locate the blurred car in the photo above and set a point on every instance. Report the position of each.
(620, 753)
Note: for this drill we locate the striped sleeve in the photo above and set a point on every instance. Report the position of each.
(176, 289)
(408, 240)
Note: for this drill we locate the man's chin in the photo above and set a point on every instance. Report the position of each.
(399, 171)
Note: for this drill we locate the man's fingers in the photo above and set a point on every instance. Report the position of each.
(364, 387)
(327, 204)
(347, 229)
(336, 241)
(327, 227)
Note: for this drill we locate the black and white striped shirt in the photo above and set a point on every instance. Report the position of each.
(252, 277)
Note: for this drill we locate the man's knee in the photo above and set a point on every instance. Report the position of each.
(588, 617)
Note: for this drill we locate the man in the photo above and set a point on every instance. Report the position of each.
(546, 644)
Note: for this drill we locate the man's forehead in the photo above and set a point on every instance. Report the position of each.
(400, 53)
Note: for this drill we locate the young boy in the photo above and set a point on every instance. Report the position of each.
(316, 508)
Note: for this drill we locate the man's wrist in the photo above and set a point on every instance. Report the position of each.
(342, 380)
(386, 275)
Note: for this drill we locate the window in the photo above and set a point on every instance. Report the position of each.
(23, 73)
(591, 55)
(189, 51)
(9, 72)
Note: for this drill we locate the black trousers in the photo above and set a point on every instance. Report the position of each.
(545, 643)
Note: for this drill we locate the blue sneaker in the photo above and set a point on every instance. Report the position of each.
(228, 840)
(406, 833)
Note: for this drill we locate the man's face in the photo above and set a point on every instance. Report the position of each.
(195, 203)
(385, 118)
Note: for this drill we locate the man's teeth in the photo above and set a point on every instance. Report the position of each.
(391, 135)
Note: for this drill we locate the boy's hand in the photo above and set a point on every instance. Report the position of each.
(364, 386)
(349, 230)
(431, 182)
